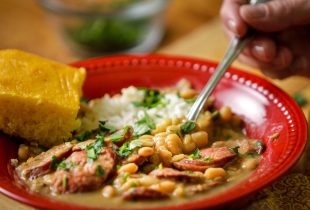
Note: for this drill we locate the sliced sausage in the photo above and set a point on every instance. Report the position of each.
(169, 173)
(82, 174)
(218, 156)
(124, 135)
(143, 193)
(40, 164)
(210, 157)
(82, 145)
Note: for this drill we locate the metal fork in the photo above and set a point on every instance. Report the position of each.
(235, 47)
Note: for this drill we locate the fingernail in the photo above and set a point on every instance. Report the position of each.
(232, 26)
(259, 52)
(254, 11)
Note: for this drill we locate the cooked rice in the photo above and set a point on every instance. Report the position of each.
(119, 110)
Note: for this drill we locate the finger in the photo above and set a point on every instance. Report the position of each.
(300, 66)
(231, 17)
(276, 15)
(263, 48)
(278, 68)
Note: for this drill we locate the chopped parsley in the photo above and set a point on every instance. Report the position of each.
(190, 101)
(300, 99)
(84, 100)
(118, 166)
(215, 115)
(144, 126)
(152, 98)
(195, 155)
(99, 170)
(66, 166)
(125, 177)
(64, 183)
(54, 163)
(235, 149)
(260, 147)
(127, 148)
(83, 136)
(93, 150)
(207, 159)
(188, 127)
(120, 135)
(189, 172)
(105, 128)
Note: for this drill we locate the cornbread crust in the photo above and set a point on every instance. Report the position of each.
(39, 98)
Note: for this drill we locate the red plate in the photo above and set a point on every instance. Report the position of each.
(265, 108)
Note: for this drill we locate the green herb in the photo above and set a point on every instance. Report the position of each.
(187, 127)
(300, 99)
(260, 147)
(108, 35)
(123, 151)
(54, 162)
(250, 155)
(103, 127)
(134, 183)
(235, 149)
(207, 159)
(120, 135)
(125, 177)
(83, 136)
(134, 144)
(189, 172)
(93, 150)
(215, 115)
(144, 126)
(84, 100)
(66, 166)
(64, 183)
(152, 98)
(195, 155)
(190, 101)
(99, 170)
(127, 148)
(118, 166)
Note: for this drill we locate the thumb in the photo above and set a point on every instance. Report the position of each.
(276, 15)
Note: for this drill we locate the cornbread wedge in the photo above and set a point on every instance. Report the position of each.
(39, 98)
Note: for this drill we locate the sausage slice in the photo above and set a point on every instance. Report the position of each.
(210, 157)
(40, 164)
(83, 175)
(169, 173)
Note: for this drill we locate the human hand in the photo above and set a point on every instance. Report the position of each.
(282, 46)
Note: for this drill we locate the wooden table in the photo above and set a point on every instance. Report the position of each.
(193, 30)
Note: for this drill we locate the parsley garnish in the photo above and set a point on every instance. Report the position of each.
(54, 162)
(235, 149)
(300, 99)
(66, 166)
(99, 170)
(187, 127)
(120, 135)
(215, 115)
(195, 155)
(144, 126)
(93, 150)
(260, 147)
(83, 136)
(125, 177)
(152, 98)
(126, 149)
(84, 100)
(207, 159)
(103, 127)
(64, 183)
